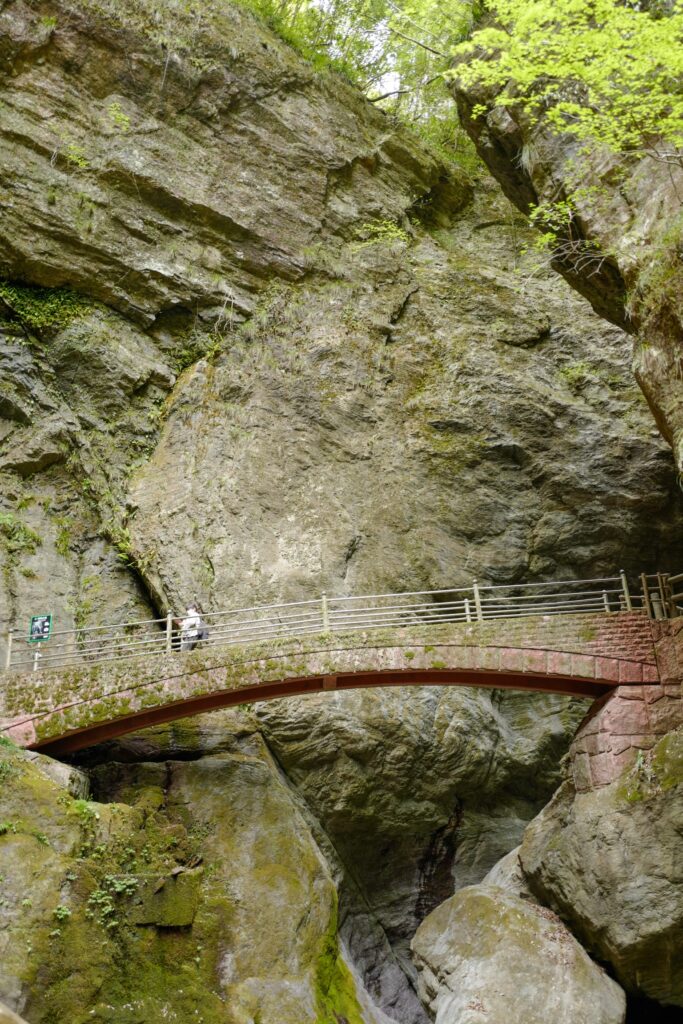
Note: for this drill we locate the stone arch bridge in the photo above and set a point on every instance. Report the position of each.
(628, 662)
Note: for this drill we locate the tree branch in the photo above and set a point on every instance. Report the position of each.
(409, 39)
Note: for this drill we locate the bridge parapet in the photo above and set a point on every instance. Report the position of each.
(585, 655)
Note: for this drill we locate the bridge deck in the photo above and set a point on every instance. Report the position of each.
(579, 655)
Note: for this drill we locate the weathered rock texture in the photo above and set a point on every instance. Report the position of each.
(278, 349)
(622, 249)
(608, 861)
(400, 407)
(200, 895)
(488, 957)
(384, 800)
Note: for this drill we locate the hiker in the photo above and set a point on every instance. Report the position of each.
(189, 628)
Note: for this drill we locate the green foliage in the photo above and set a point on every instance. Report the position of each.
(102, 902)
(16, 536)
(663, 276)
(396, 51)
(576, 375)
(63, 540)
(379, 231)
(7, 828)
(42, 308)
(608, 72)
(8, 770)
(73, 153)
(61, 913)
(118, 118)
(196, 345)
(335, 989)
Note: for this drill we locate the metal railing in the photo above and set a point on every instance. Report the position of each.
(661, 596)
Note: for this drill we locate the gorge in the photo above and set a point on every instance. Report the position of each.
(259, 341)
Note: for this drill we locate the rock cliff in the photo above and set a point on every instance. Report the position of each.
(215, 388)
(256, 342)
(622, 251)
(276, 863)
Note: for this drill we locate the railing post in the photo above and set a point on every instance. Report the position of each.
(468, 613)
(169, 632)
(477, 601)
(605, 601)
(661, 578)
(627, 592)
(647, 603)
(8, 655)
(325, 613)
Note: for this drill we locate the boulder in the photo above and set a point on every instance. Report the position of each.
(609, 862)
(486, 956)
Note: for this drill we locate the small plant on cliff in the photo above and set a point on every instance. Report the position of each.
(102, 902)
(379, 232)
(118, 118)
(8, 770)
(17, 536)
(42, 308)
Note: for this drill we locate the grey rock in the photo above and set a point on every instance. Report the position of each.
(608, 862)
(487, 957)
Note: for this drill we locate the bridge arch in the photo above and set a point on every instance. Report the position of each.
(63, 711)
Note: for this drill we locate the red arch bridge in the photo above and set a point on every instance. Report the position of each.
(619, 644)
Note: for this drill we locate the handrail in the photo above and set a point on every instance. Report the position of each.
(91, 645)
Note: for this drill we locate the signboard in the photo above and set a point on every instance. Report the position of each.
(40, 628)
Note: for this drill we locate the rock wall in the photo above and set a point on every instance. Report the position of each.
(225, 392)
(277, 863)
(622, 248)
(256, 343)
(602, 867)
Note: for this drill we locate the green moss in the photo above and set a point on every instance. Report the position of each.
(63, 540)
(667, 760)
(16, 536)
(43, 308)
(335, 989)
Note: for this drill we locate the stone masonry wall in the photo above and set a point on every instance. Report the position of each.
(632, 718)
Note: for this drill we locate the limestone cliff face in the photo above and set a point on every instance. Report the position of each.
(279, 348)
(255, 343)
(628, 215)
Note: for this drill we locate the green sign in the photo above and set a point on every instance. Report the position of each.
(40, 628)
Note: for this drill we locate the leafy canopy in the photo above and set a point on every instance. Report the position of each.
(396, 51)
(606, 71)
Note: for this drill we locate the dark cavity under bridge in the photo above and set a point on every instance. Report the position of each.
(586, 638)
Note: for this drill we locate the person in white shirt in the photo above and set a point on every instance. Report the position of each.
(189, 629)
